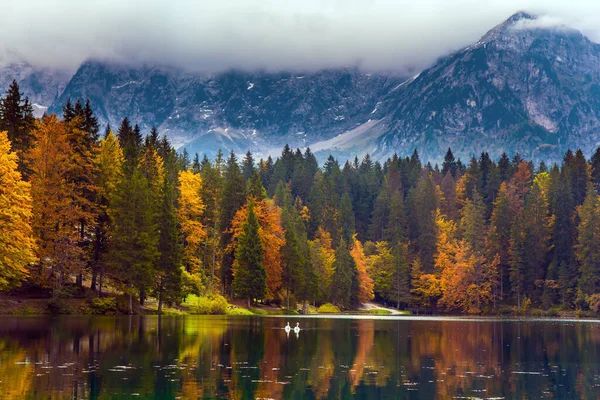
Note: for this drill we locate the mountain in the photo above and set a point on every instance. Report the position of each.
(43, 86)
(231, 110)
(524, 87)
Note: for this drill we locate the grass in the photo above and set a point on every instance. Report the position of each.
(277, 311)
(328, 308)
(379, 311)
(239, 311)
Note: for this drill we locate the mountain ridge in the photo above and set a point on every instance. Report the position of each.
(528, 85)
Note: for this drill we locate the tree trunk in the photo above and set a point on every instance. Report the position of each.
(248, 302)
(287, 300)
(142, 297)
(101, 281)
(160, 302)
(130, 304)
(94, 278)
(305, 308)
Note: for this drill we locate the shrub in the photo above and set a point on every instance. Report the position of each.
(103, 305)
(594, 302)
(207, 305)
(238, 311)
(328, 308)
(57, 307)
(191, 283)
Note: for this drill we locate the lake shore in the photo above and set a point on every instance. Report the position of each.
(20, 306)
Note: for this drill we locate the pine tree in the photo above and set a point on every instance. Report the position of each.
(16, 118)
(448, 202)
(499, 234)
(449, 165)
(344, 278)
(248, 167)
(16, 235)
(131, 145)
(168, 278)
(562, 207)
(346, 218)
(232, 199)
(473, 223)
(108, 163)
(595, 169)
(250, 278)
(588, 243)
(134, 246)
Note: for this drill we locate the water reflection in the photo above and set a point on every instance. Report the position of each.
(217, 357)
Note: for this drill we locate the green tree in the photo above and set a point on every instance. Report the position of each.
(16, 118)
(588, 243)
(168, 281)
(108, 162)
(134, 245)
(250, 276)
(344, 278)
(232, 199)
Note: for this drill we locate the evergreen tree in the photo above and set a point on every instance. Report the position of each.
(134, 241)
(248, 167)
(131, 145)
(588, 243)
(449, 165)
(448, 202)
(344, 277)
(473, 223)
(232, 199)
(595, 169)
(168, 272)
(346, 218)
(108, 165)
(499, 235)
(250, 277)
(16, 118)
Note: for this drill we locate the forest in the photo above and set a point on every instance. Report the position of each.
(123, 212)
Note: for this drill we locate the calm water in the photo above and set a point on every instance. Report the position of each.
(244, 358)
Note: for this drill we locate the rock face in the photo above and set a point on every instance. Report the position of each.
(43, 86)
(521, 88)
(233, 109)
(524, 87)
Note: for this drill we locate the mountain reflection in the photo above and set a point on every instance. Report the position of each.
(244, 358)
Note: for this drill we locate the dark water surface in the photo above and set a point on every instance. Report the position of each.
(196, 357)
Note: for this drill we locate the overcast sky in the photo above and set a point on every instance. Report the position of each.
(273, 34)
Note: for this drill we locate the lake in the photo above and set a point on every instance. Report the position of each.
(196, 357)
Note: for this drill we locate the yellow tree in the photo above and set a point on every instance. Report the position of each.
(322, 257)
(16, 236)
(467, 279)
(191, 210)
(271, 235)
(56, 207)
(108, 161)
(365, 283)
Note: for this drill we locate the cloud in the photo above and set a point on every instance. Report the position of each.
(210, 36)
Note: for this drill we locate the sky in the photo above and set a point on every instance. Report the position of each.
(210, 36)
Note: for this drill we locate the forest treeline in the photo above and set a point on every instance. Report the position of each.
(125, 211)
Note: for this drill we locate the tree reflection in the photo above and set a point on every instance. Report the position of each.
(219, 357)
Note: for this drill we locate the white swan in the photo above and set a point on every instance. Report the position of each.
(287, 328)
(297, 327)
